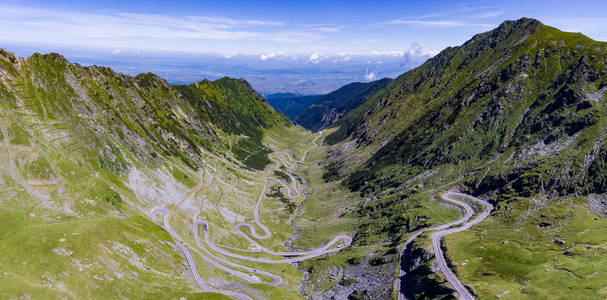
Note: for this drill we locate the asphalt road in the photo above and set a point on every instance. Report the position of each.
(445, 230)
(336, 244)
(183, 247)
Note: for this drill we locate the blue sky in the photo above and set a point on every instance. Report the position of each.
(369, 39)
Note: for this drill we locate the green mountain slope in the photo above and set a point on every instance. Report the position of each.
(517, 116)
(145, 113)
(92, 160)
(87, 154)
(524, 89)
(331, 107)
(291, 105)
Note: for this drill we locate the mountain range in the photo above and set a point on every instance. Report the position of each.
(346, 206)
(315, 112)
(292, 105)
(515, 116)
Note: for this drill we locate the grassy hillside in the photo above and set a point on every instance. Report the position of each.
(87, 153)
(144, 112)
(524, 90)
(515, 115)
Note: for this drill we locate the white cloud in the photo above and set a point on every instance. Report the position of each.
(463, 9)
(325, 27)
(433, 23)
(368, 57)
(108, 31)
(439, 19)
(489, 14)
(72, 25)
(126, 30)
(315, 58)
(370, 75)
(329, 29)
(265, 57)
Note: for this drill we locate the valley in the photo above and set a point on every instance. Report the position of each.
(479, 174)
(286, 161)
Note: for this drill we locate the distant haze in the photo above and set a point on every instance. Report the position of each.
(279, 73)
(305, 47)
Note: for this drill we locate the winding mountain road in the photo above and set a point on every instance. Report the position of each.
(183, 247)
(221, 263)
(445, 230)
